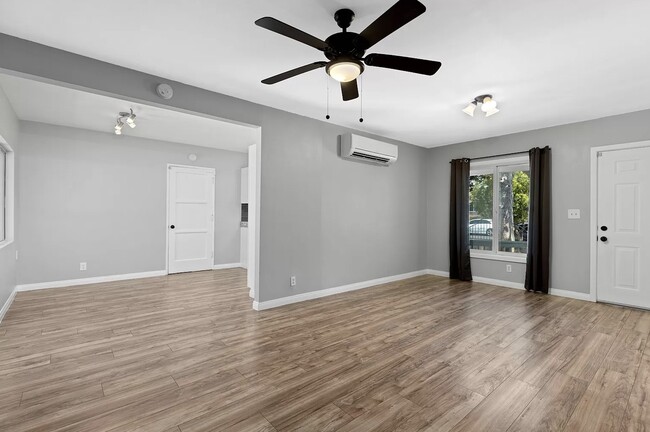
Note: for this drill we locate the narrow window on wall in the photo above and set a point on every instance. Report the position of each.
(498, 216)
(3, 194)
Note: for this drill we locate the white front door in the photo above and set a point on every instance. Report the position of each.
(624, 227)
(190, 216)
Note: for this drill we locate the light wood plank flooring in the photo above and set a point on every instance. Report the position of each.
(187, 353)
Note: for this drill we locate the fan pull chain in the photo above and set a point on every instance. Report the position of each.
(327, 113)
(360, 99)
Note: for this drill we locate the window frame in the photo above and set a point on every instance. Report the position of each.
(8, 194)
(494, 167)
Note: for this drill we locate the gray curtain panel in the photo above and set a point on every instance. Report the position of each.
(539, 221)
(459, 261)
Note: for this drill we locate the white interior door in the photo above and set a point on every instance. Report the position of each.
(190, 219)
(624, 227)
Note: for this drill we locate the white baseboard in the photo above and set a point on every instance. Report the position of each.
(501, 283)
(572, 295)
(437, 273)
(7, 304)
(90, 280)
(225, 266)
(517, 285)
(269, 304)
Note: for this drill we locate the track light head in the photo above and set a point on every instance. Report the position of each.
(130, 120)
(469, 110)
(488, 104)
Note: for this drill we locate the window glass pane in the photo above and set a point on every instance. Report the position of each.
(513, 210)
(3, 171)
(480, 211)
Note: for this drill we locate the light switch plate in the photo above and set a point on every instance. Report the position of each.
(574, 213)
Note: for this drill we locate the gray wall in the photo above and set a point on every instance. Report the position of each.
(101, 199)
(334, 221)
(309, 224)
(295, 164)
(9, 131)
(571, 189)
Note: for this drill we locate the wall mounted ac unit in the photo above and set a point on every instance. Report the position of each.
(367, 149)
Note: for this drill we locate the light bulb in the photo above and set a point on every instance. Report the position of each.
(489, 104)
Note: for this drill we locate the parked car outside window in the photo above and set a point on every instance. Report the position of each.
(480, 226)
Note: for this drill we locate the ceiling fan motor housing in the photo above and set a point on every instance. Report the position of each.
(344, 44)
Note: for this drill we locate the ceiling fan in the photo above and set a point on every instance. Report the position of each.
(346, 50)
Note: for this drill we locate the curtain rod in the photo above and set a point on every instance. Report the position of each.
(500, 155)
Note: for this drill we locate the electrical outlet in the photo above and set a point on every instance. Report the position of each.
(82, 266)
(574, 213)
(508, 268)
(292, 281)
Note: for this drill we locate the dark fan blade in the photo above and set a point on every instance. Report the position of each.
(350, 90)
(408, 64)
(398, 15)
(291, 32)
(293, 72)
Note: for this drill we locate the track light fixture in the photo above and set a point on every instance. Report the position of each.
(127, 118)
(488, 106)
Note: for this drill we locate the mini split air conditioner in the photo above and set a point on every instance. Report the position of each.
(369, 150)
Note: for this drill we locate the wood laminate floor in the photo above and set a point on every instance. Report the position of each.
(187, 353)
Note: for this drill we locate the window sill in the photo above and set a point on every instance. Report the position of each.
(499, 257)
(5, 243)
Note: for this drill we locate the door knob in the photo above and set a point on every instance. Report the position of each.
(172, 226)
(603, 228)
(603, 239)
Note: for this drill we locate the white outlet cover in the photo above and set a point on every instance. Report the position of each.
(574, 213)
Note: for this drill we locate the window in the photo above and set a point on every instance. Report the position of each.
(498, 217)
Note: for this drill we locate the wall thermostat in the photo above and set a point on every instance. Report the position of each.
(165, 91)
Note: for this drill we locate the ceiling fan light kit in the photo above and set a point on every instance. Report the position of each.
(346, 51)
(488, 106)
(344, 70)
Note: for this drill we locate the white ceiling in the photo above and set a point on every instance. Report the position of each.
(47, 103)
(547, 62)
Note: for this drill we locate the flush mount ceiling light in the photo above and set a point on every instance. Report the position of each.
(488, 106)
(124, 118)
